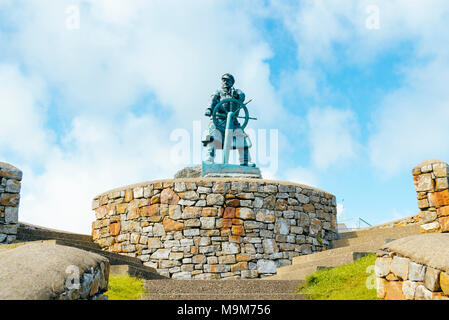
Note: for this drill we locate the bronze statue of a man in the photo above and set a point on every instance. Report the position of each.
(214, 136)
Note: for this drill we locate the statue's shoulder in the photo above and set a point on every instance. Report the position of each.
(240, 94)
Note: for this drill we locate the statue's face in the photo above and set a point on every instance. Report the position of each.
(227, 82)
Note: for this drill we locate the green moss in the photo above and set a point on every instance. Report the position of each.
(347, 282)
(123, 287)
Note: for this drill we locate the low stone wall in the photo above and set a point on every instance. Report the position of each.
(432, 188)
(10, 178)
(43, 270)
(215, 228)
(414, 268)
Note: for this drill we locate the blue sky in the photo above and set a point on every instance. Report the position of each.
(95, 93)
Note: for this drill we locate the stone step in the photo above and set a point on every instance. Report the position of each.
(85, 243)
(376, 232)
(300, 274)
(392, 234)
(330, 261)
(221, 297)
(135, 271)
(221, 287)
(25, 230)
(369, 246)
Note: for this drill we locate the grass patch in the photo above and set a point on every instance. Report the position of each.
(124, 287)
(347, 282)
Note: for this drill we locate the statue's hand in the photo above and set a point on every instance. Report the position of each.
(208, 113)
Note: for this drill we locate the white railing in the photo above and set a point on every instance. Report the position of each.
(351, 224)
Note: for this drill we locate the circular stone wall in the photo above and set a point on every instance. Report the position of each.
(214, 228)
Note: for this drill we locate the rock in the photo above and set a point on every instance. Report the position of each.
(382, 267)
(432, 279)
(416, 271)
(381, 288)
(444, 224)
(408, 289)
(11, 215)
(207, 222)
(270, 246)
(441, 198)
(444, 282)
(214, 199)
(245, 213)
(168, 196)
(399, 266)
(266, 266)
(161, 254)
(189, 172)
(230, 248)
(430, 227)
(425, 183)
(393, 290)
(422, 293)
(172, 225)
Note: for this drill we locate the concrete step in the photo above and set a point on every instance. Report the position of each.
(221, 297)
(376, 232)
(220, 286)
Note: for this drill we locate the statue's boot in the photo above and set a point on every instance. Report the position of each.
(245, 158)
(210, 153)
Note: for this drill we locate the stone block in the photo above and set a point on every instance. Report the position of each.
(441, 184)
(443, 211)
(416, 271)
(266, 266)
(172, 225)
(168, 196)
(444, 224)
(381, 287)
(382, 267)
(245, 213)
(270, 246)
(430, 227)
(161, 254)
(400, 266)
(425, 183)
(393, 290)
(444, 282)
(11, 215)
(432, 279)
(441, 170)
(422, 293)
(408, 289)
(207, 222)
(215, 199)
(441, 198)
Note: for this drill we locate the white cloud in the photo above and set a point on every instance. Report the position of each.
(332, 136)
(301, 175)
(23, 107)
(123, 53)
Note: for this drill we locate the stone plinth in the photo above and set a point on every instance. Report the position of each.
(432, 188)
(215, 228)
(10, 183)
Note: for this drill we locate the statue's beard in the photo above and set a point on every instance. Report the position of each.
(226, 87)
